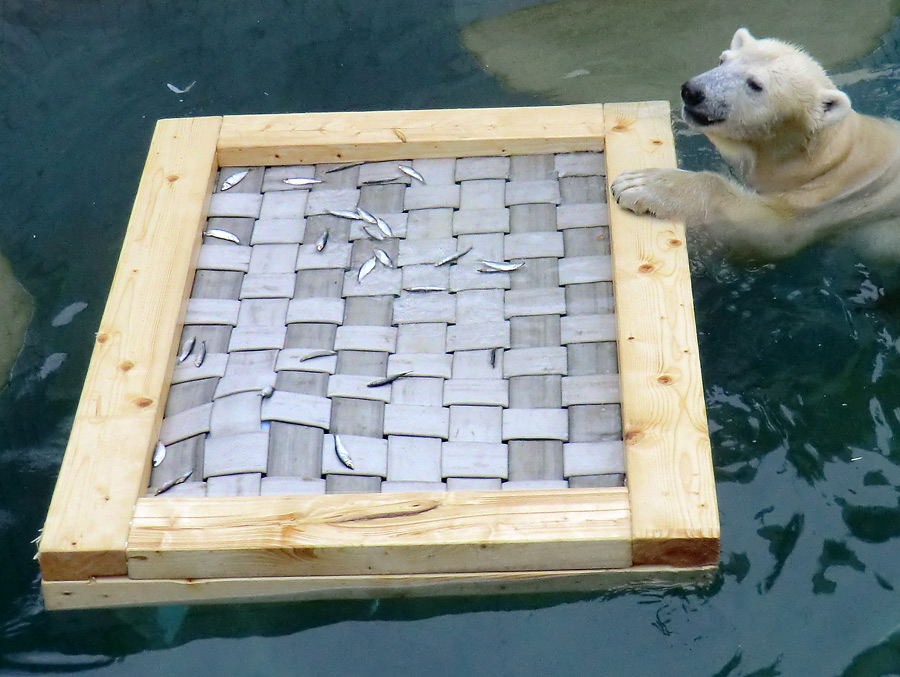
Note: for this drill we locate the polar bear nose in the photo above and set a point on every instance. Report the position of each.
(692, 94)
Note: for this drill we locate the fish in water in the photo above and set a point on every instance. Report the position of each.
(500, 266)
(344, 214)
(222, 235)
(453, 258)
(342, 453)
(384, 258)
(234, 179)
(322, 241)
(409, 171)
(159, 455)
(317, 353)
(366, 268)
(186, 348)
(173, 483)
(299, 181)
(387, 379)
(201, 354)
(383, 226)
(365, 216)
(178, 90)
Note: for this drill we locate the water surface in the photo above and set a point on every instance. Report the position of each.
(801, 371)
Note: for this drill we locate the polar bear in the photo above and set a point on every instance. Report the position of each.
(810, 166)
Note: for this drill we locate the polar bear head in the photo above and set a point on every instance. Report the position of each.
(762, 88)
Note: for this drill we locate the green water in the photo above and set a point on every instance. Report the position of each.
(801, 368)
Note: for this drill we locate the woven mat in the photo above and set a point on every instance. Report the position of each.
(512, 377)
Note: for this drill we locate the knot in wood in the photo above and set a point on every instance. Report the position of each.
(646, 268)
(143, 402)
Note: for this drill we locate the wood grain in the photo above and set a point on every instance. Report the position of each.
(122, 591)
(107, 461)
(380, 533)
(669, 466)
(397, 135)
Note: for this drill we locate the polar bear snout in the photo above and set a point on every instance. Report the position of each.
(692, 93)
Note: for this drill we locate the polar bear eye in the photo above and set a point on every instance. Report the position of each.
(754, 84)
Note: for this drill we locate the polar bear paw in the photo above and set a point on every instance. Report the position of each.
(657, 192)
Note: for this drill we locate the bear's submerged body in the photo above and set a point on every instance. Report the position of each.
(811, 168)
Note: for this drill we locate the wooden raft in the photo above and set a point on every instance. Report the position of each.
(254, 522)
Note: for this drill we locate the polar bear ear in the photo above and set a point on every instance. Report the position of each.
(741, 38)
(832, 106)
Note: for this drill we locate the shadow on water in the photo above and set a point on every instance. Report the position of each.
(801, 368)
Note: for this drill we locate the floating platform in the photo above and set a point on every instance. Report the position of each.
(547, 431)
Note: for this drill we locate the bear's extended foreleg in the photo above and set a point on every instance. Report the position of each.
(739, 217)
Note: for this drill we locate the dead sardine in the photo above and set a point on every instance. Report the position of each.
(159, 455)
(222, 235)
(494, 357)
(173, 483)
(365, 216)
(201, 354)
(343, 167)
(234, 179)
(317, 353)
(379, 182)
(374, 233)
(366, 268)
(299, 181)
(420, 290)
(387, 379)
(342, 452)
(344, 214)
(409, 171)
(384, 258)
(322, 241)
(383, 226)
(267, 392)
(186, 348)
(453, 258)
(500, 266)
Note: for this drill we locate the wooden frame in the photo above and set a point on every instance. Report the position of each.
(104, 544)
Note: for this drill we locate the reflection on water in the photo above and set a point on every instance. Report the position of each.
(800, 358)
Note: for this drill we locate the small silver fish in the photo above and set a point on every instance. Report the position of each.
(501, 266)
(159, 455)
(222, 235)
(299, 181)
(317, 353)
(417, 290)
(342, 168)
(383, 226)
(387, 379)
(378, 182)
(267, 392)
(366, 268)
(365, 216)
(494, 357)
(186, 348)
(322, 241)
(409, 171)
(374, 233)
(173, 483)
(234, 179)
(344, 214)
(342, 453)
(201, 354)
(384, 258)
(453, 258)
(178, 90)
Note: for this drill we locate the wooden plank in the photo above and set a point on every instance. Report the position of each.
(395, 135)
(670, 475)
(123, 591)
(380, 533)
(107, 461)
